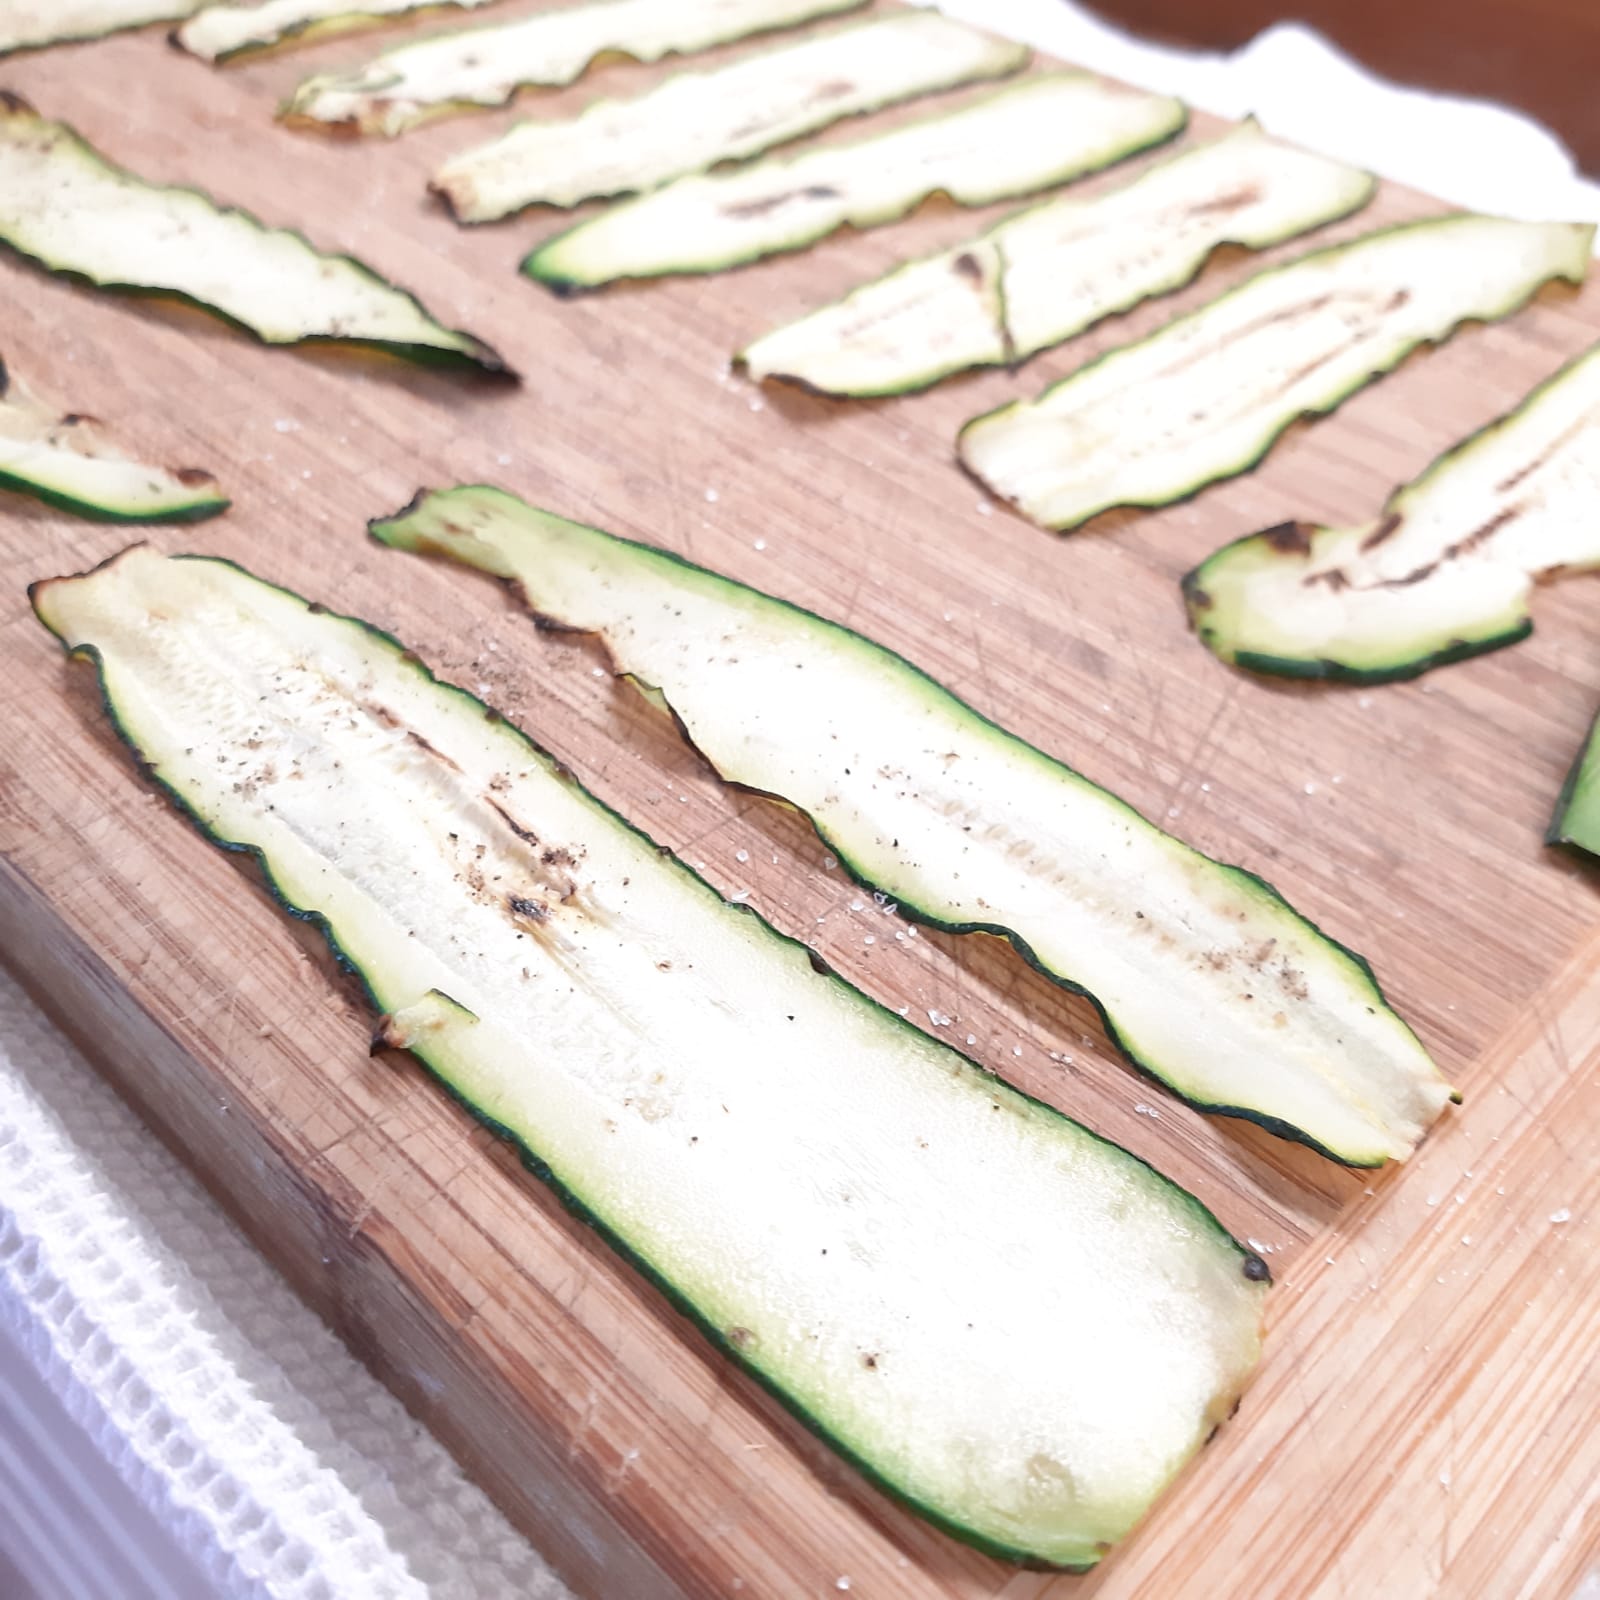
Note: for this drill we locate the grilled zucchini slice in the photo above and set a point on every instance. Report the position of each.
(65, 206)
(1042, 131)
(1206, 978)
(61, 460)
(487, 66)
(1017, 1327)
(1447, 569)
(219, 33)
(32, 24)
(696, 119)
(1205, 397)
(1053, 270)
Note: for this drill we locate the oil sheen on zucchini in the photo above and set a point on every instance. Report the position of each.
(221, 32)
(1053, 270)
(1013, 1324)
(695, 119)
(1042, 131)
(31, 24)
(1205, 976)
(486, 66)
(61, 460)
(1205, 397)
(1577, 815)
(63, 205)
(1445, 571)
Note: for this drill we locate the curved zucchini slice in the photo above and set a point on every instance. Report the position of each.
(1049, 272)
(1013, 1324)
(32, 24)
(1445, 572)
(1042, 131)
(449, 72)
(60, 460)
(1205, 397)
(1577, 817)
(221, 32)
(63, 205)
(1205, 977)
(696, 119)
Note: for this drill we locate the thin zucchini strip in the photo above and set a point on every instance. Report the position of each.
(1446, 571)
(696, 119)
(1042, 131)
(1577, 815)
(32, 24)
(66, 207)
(1049, 272)
(486, 66)
(61, 460)
(1011, 1323)
(1205, 976)
(218, 33)
(1205, 397)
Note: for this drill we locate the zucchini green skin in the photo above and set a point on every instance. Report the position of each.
(418, 1028)
(1099, 256)
(770, 207)
(37, 24)
(1576, 819)
(1445, 572)
(981, 443)
(261, 29)
(572, 576)
(765, 98)
(191, 495)
(427, 342)
(474, 68)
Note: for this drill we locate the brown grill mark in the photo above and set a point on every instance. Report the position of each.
(1236, 200)
(432, 750)
(771, 202)
(1289, 538)
(1386, 529)
(1538, 461)
(1482, 535)
(966, 265)
(527, 835)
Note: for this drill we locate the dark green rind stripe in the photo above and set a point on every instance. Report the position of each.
(193, 511)
(1251, 1264)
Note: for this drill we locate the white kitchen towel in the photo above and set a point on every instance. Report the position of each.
(233, 1414)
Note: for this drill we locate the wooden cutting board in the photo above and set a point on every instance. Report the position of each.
(1422, 1423)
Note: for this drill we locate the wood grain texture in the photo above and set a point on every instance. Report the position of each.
(1406, 820)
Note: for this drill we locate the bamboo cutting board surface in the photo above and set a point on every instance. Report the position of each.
(1422, 1420)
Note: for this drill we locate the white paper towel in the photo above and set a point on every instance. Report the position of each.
(233, 1414)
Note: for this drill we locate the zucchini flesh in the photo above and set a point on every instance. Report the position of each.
(1042, 131)
(487, 66)
(1049, 272)
(1205, 397)
(221, 32)
(1013, 1324)
(1446, 570)
(1577, 815)
(1206, 977)
(61, 460)
(31, 24)
(696, 119)
(63, 205)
